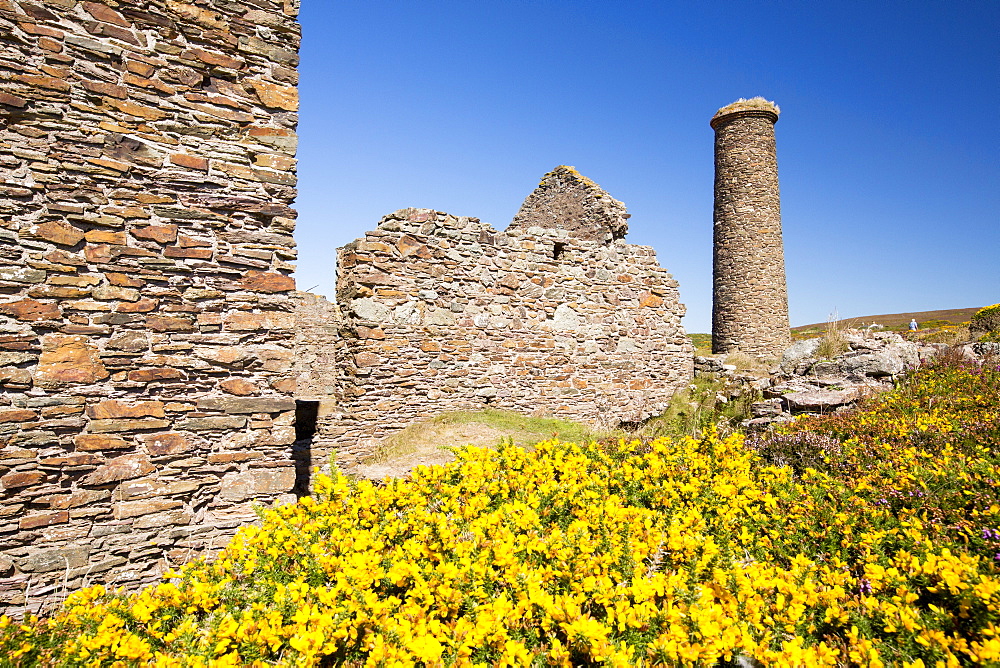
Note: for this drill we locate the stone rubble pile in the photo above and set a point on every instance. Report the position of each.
(805, 382)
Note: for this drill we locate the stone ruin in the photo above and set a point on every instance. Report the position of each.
(556, 315)
(147, 174)
(749, 291)
(159, 375)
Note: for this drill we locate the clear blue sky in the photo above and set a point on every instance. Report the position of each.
(888, 143)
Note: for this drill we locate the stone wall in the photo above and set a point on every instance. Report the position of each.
(750, 297)
(318, 351)
(146, 182)
(317, 340)
(556, 315)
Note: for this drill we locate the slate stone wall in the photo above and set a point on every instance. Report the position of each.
(318, 351)
(147, 174)
(750, 297)
(443, 312)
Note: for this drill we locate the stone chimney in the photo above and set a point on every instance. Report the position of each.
(750, 296)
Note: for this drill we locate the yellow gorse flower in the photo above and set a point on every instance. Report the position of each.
(672, 552)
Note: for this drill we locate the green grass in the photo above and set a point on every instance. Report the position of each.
(696, 409)
(691, 412)
(526, 426)
(482, 427)
(702, 343)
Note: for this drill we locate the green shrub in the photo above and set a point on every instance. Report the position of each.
(986, 319)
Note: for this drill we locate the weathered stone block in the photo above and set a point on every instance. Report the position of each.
(100, 442)
(55, 559)
(57, 232)
(19, 479)
(262, 281)
(16, 415)
(241, 406)
(67, 360)
(166, 443)
(153, 374)
(75, 459)
(142, 305)
(163, 234)
(251, 322)
(74, 499)
(21, 275)
(174, 517)
(127, 509)
(125, 425)
(125, 467)
(115, 408)
(43, 520)
(169, 323)
(31, 310)
(226, 356)
(239, 387)
(276, 96)
(191, 161)
(212, 423)
(256, 482)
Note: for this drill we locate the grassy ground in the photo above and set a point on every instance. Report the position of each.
(930, 322)
(702, 343)
(433, 441)
(691, 411)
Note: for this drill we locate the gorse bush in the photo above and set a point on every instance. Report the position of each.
(882, 550)
(986, 320)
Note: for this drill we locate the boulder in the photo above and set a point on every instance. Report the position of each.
(798, 352)
(820, 400)
(891, 360)
(986, 349)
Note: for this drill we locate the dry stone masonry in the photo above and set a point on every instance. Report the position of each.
(556, 315)
(160, 376)
(750, 297)
(147, 174)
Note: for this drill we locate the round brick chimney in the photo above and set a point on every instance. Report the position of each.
(750, 296)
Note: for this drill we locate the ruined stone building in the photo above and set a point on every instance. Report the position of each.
(147, 174)
(556, 315)
(160, 376)
(151, 341)
(750, 297)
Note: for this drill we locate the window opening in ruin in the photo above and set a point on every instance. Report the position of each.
(306, 414)
(557, 250)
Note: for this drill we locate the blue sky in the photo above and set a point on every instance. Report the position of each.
(888, 141)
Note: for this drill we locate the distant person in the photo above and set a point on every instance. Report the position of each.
(913, 324)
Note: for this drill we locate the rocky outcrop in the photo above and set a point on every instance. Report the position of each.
(804, 382)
